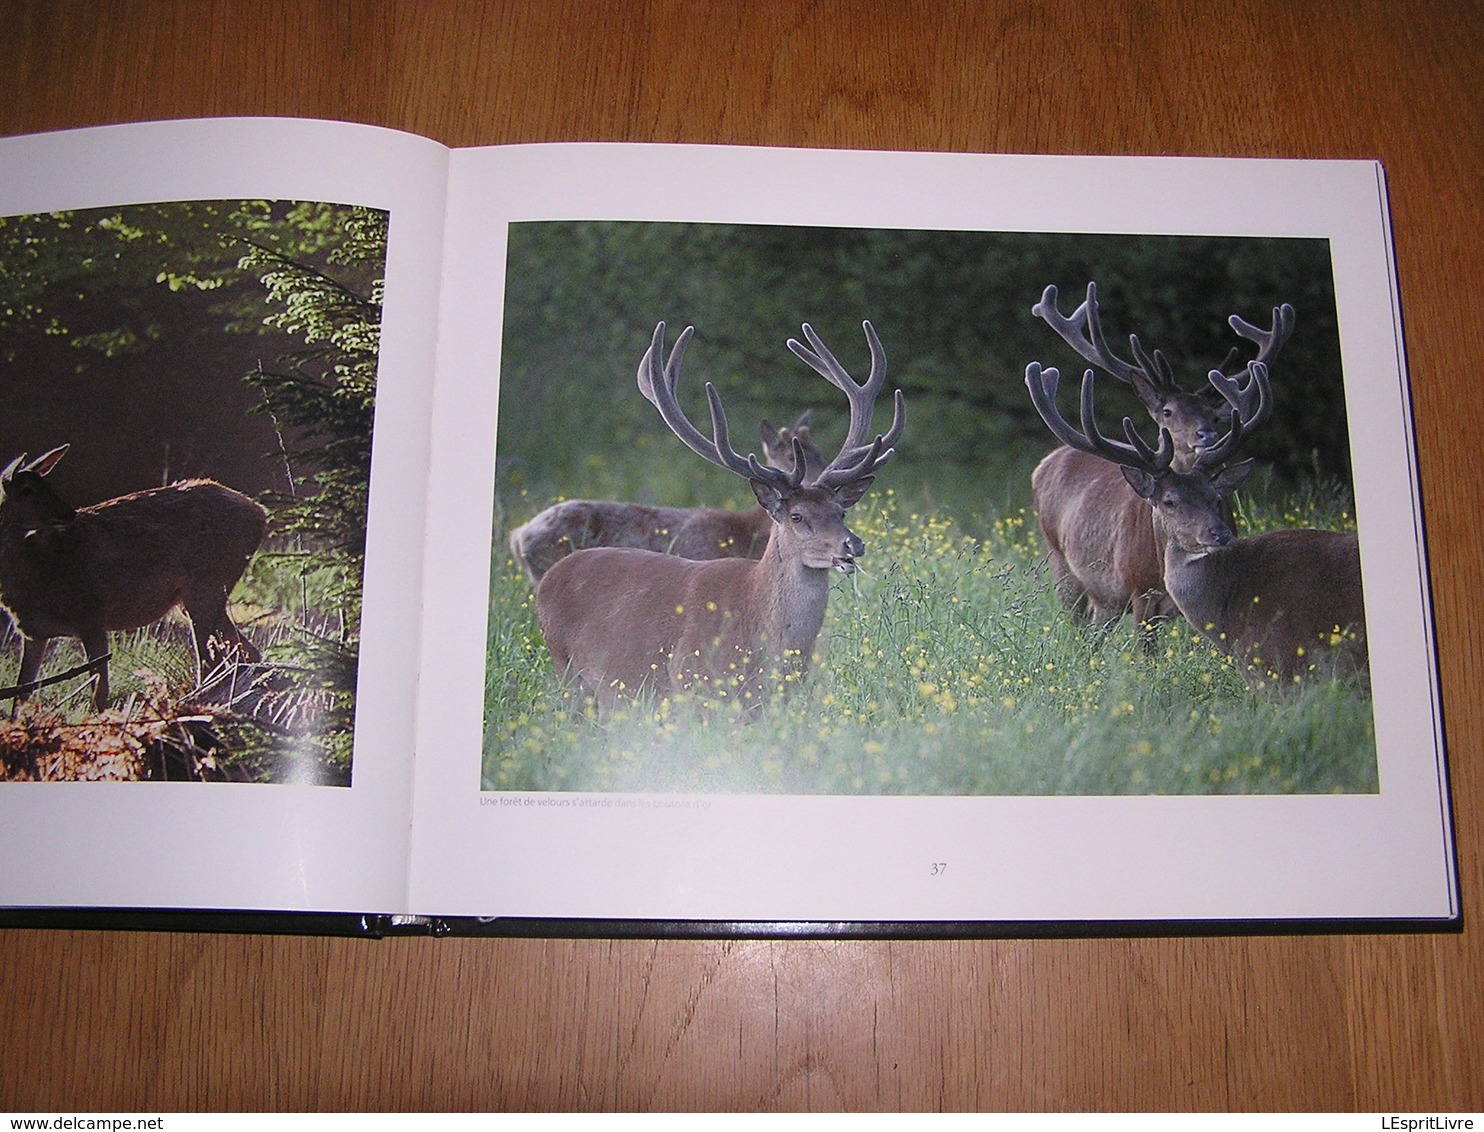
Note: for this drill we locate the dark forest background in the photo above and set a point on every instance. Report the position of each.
(130, 334)
(953, 310)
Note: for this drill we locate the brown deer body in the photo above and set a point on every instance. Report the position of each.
(1098, 533)
(1286, 605)
(623, 622)
(122, 564)
(687, 532)
(1099, 540)
(730, 628)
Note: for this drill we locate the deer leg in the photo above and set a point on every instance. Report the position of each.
(218, 641)
(33, 651)
(1073, 594)
(1151, 609)
(95, 644)
(1101, 614)
(219, 644)
(227, 643)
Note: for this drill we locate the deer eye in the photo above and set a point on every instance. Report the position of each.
(796, 516)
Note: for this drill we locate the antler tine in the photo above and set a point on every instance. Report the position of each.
(1233, 356)
(750, 467)
(1150, 459)
(657, 379)
(1043, 382)
(845, 468)
(657, 383)
(1270, 341)
(1083, 331)
(1252, 399)
(862, 395)
(858, 456)
(1216, 454)
(1153, 367)
(1251, 402)
(847, 455)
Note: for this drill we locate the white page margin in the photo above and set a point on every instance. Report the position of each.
(854, 858)
(276, 847)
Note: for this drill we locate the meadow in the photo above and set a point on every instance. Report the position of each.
(945, 667)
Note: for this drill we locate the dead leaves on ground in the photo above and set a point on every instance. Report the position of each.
(145, 739)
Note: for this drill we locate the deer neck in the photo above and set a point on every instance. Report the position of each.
(791, 598)
(1198, 580)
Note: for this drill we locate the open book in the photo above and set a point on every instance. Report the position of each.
(403, 363)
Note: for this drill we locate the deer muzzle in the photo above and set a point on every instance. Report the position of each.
(1216, 536)
(851, 549)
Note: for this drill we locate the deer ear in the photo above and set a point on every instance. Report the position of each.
(769, 497)
(1138, 479)
(848, 495)
(47, 461)
(1229, 479)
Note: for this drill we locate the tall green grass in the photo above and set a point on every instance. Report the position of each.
(946, 666)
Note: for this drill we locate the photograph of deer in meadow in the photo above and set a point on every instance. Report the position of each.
(187, 392)
(835, 511)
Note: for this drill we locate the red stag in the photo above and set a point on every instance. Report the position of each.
(1098, 532)
(122, 564)
(1286, 605)
(623, 622)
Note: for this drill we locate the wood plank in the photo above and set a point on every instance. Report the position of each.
(122, 1021)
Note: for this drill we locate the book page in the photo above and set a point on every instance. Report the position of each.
(964, 746)
(227, 327)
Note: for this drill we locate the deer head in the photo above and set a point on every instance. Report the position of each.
(622, 620)
(1287, 605)
(1248, 398)
(1192, 420)
(807, 509)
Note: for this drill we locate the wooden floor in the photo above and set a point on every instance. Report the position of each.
(120, 1021)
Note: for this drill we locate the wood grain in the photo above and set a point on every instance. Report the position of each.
(119, 1021)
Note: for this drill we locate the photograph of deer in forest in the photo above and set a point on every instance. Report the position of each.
(834, 511)
(182, 591)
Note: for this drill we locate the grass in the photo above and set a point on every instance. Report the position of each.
(946, 667)
(291, 728)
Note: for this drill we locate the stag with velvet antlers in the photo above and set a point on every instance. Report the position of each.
(623, 623)
(1097, 532)
(1285, 605)
(687, 532)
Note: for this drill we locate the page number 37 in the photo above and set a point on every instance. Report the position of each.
(937, 868)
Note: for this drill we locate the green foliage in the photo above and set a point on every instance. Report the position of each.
(326, 391)
(322, 400)
(92, 277)
(952, 308)
(947, 668)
